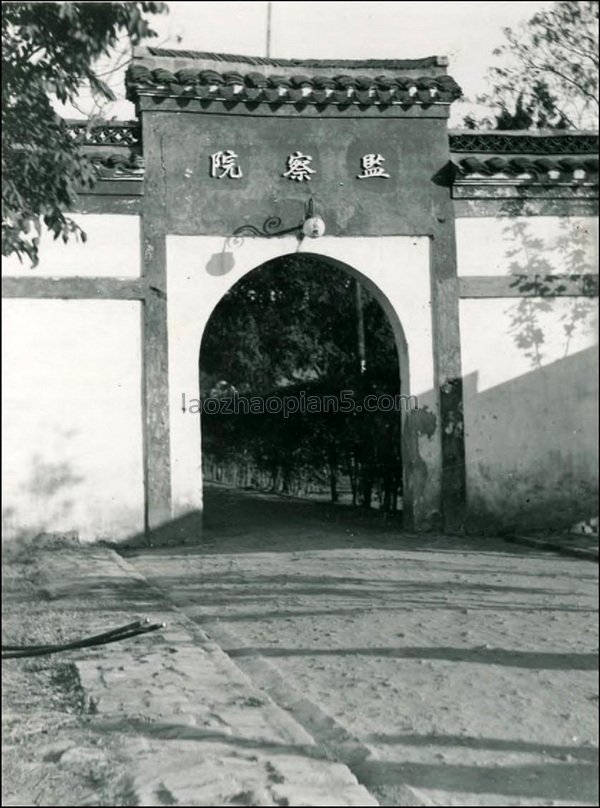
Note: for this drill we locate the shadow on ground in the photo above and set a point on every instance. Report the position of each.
(236, 521)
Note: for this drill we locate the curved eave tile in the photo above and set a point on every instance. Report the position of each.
(298, 88)
(117, 166)
(534, 169)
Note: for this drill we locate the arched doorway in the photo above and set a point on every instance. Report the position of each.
(395, 270)
(220, 157)
(301, 373)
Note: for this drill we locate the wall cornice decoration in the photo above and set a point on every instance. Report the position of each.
(523, 190)
(128, 133)
(538, 175)
(485, 165)
(524, 142)
(118, 167)
(109, 133)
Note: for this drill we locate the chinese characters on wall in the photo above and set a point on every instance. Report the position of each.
(225, 165)
(298, 167)
(372, 166)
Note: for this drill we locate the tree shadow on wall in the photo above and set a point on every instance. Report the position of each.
(532, 263)
(47, 479)
(42, 501)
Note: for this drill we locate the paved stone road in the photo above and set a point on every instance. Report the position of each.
(442, 671)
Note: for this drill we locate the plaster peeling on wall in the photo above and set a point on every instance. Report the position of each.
(453, 426)
(418, 423)
(424, 422)
(346, 213)
(453, 411)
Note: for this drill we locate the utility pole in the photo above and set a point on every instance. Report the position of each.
(269, 13)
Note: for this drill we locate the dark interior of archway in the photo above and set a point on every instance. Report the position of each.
(287, 360)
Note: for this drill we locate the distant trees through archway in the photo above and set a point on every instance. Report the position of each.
(300, 382)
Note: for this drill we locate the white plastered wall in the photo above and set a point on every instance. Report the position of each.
(530, 371)
(532, 244)
(72, 442)
(200, 270)
(72, 405)
(111, 249)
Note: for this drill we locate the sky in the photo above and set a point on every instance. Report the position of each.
(465, 32)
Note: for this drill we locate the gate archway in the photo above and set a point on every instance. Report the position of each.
(301, 373)
(233, 141)
(197, 283)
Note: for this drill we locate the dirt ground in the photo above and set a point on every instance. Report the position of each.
(467, 668)
(49, 754)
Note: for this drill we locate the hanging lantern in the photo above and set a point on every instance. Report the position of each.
(313, 227)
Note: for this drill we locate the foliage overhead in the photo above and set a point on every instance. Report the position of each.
(548, 71)
(49, 50)
(298, 320)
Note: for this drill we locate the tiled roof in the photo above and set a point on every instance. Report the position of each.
(298, 88)
(528, 156)
(118, 166)
(544, 168)
(255, 80)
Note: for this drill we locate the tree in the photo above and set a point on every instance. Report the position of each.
(289, 329)
(49, 50)
(297, 318)
(548, 77)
